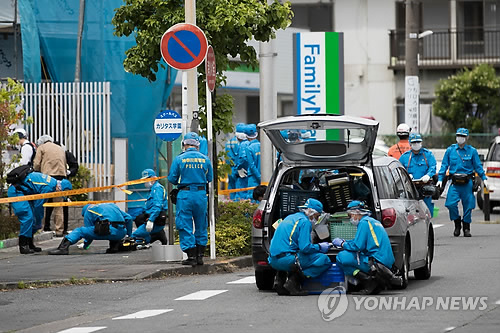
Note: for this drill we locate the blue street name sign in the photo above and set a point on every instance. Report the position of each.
(168, 125)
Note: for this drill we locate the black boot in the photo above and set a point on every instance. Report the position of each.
(191, 260)
(458, 227)
(32, 245)
(279, 282)
(161, 236)
(294, 284)
(63, 248)
(369, 283)
(200, 251)
(114, 247)
(24, 247)
(466, 229)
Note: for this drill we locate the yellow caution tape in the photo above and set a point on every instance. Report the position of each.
(225, 192)
(83, 203)
(75, 192)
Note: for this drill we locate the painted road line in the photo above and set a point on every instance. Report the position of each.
(448, 329)
(497, 302)
(144, 314)
(200, 295)
(245, 280)
(82, 329)
(435, 226)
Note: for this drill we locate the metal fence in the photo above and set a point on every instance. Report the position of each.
(78, 115)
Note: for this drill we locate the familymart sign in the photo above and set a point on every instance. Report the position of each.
(319, 72)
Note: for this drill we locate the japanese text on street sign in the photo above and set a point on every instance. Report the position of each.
(412, 93)
(168, 125)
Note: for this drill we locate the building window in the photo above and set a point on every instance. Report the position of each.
(315, 17)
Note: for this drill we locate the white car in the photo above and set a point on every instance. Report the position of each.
(491, 166)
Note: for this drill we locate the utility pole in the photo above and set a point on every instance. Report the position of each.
(190, 80)
(412, 84)
(81, 20)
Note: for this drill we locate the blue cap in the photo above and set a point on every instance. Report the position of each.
(313, 204)
(240, 127)
(86, 208)
(462, 131)
(191, 139)
(250, 129)
(415, 137)
(148, 173)
(66, 185)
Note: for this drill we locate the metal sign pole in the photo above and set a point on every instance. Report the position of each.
(211, 199)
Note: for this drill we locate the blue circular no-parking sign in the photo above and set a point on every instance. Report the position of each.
(184, 46)
(168, 125)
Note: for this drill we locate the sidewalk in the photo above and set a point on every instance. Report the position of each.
(94, 264)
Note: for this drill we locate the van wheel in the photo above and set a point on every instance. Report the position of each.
(264, 279)
(424, 273)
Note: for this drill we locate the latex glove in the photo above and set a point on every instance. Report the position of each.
(485, 184)
(338, 242)
(84, 245)
(324, 247)
(439, 183)
(426, 178)
(242, 173)
(68, 172)
(149, 226)
(411, 176)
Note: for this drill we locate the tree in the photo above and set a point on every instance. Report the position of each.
(469, 99)
(227, 24)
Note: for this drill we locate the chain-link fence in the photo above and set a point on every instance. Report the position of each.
(477, 140)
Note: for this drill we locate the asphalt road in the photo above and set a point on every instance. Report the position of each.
(463, 295)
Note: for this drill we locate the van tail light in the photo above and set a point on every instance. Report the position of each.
(493, 172)
(257, 219)
(388, 217)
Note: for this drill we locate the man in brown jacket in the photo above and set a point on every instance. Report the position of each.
(50, 159)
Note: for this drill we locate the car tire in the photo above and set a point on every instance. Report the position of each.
(264, 279)
(404, 272)
(479, 200)
(424, 273)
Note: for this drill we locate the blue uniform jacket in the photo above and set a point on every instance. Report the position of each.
(186, 167)
(461, 160)
(252, 153)
(371, 240)
(242, 160)
(37, 183)
(107, 211)
(231, 148)
(156, 201)
(418, 165)
(293, 235)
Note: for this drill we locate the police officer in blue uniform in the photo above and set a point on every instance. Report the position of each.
(151, 221)
(191, 171)
(103, 222)
(242, 164)
(371, 242)
(420, 163)
(461, 160)
(232, 148)
(30, 213)
(292, 251)
(252, 154)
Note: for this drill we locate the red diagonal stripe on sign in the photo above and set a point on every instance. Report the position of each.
(183, 46)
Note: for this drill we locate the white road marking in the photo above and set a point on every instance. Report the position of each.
(82, 329)
(449, 329)
(144, 314)
(435, 226)
(497, 302)
(245, 280)
(200, 295)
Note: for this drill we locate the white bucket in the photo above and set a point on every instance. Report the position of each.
(167, 252)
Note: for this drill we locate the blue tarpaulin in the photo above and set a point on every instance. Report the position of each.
(135, 101)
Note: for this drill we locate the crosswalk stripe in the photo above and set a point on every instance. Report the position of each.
(245, 280)
(82, 329)
(144, 314)
(200, 295)
(437, 225)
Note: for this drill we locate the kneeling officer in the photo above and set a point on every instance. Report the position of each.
(291, 250)
(103, 222)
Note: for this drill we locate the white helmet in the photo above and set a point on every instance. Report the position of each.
(21, 132)
(403, 129)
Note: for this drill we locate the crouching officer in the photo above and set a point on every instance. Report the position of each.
(30, 213)
(103, 222)
(191, 171)
(461, 160)
(291, 250)
(370, 243)
(151, 222)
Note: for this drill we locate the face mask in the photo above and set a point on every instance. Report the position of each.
(416, 146)
(460, 140)
(148, 184)
(353, 221)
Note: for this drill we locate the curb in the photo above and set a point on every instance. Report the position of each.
(226, 266)
(39, 237)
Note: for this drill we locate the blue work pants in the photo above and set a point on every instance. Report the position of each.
(192, 205)
(462, 193)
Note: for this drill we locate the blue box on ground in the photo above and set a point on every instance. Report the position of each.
(331, 278)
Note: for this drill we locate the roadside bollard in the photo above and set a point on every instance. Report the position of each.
(486, 203)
